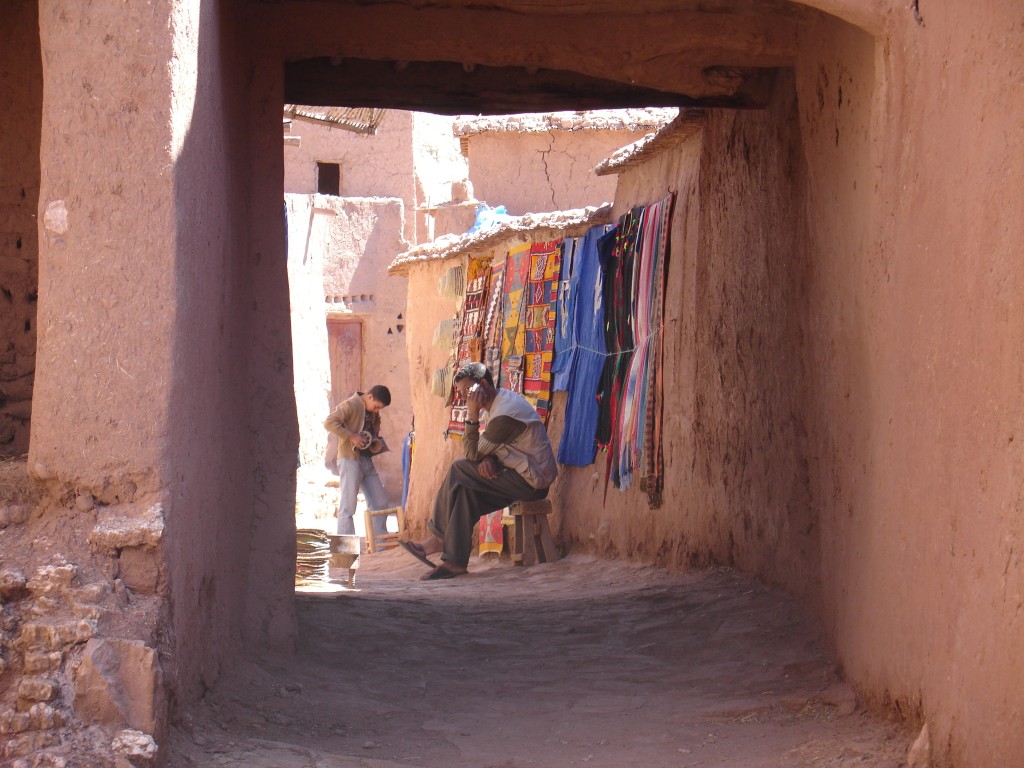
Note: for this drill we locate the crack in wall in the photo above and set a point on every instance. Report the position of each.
(547, 169)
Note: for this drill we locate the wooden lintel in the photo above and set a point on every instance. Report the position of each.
(447, 88)
(663, 50)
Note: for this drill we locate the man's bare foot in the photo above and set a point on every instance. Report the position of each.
(431, 545)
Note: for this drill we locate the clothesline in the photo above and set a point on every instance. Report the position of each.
(648, 338)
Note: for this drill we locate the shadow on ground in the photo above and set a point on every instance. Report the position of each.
(580, 662)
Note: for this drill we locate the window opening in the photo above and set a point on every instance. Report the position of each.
(328, 178)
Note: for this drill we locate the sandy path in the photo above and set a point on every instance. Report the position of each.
(580, 662)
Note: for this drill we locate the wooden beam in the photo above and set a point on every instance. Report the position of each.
(665, 51)
(451, 88)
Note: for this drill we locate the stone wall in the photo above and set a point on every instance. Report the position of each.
(82, 609)
(22, 77)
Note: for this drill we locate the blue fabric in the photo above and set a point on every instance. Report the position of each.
(406, 466)
(585, 360)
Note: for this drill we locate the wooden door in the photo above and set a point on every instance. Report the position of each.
(345, 348)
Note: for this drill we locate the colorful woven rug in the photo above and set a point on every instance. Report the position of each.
(513, 341)
(470, 343)
(659, 219)
(490, 533)
(492, 330)
(540, 316)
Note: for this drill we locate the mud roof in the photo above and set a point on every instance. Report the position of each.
(584, 120)
(355, 119)
(526, 228)
(684, 127)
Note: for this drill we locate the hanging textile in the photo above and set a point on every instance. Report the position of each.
(634, 388)
(444, 333)
(452, 283)
(407, 452)
(513, 342)
(584, 360)
(619, 300)
(659, 220)
(489, 533)
(492, 330)
(539, 319)
(630, 392)
(565, 330)
(469, 347)
(638, 446)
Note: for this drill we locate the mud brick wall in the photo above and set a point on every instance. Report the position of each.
(21, 80)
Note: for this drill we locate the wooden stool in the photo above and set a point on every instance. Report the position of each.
(386, 540)
(532, 541)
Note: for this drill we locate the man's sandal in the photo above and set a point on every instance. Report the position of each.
(417, 551)
(440, 573)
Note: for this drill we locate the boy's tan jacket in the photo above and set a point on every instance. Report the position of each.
(347, 420)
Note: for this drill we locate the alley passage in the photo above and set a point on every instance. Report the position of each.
(581, 662)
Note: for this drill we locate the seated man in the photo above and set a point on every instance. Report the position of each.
(511, 461)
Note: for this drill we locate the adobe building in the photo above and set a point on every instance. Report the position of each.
(544, 162)
(355, 182)
(847, 424)
(344, 171)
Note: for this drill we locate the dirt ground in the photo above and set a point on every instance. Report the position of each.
(580, 662)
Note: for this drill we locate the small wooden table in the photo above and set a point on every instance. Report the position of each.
(345, 554)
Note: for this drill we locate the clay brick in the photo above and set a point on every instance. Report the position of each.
(38, 689)
(13, 514)
(128, 526)
(120, 682)
(12, 582)
(44, 717)
(43, 662)
(30, 743)
(139, 567)
(43, 606)
(51, 580)
(14, 722)
(53, 637)
(91, 593)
